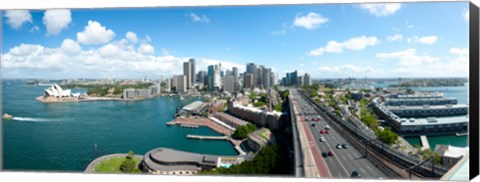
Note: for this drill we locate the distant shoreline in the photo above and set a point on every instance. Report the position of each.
(83, 99)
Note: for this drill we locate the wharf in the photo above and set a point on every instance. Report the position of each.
(208, 137)
(425, 144)
(199, 121)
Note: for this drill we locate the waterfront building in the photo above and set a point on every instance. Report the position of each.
(255, 115)
(182, 84)
(230, 120)
(229, 83)
(187, 72)
(249, 81)
(429, 111)
(217, 84)
(174, 81)
(450, 154)
(195, 108)
(259, 139)
(307, 80)
(131, 93)
(193, 71)
(57, 91)
(167, 85)
(422, 121)
(419, 101)
(201, 77)
(170, 161)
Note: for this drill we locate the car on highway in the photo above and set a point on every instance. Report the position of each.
(324, 154)
(322, 139)
(330, 153)
(322, 131)
(327, 127)
(355, 174)
(313, 125)
(338, 146)
(327, 131)
(344, 146)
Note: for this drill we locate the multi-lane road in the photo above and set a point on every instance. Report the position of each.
(344, 162)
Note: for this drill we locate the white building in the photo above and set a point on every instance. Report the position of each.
(187, 71)
(57, 91)
(307, 79)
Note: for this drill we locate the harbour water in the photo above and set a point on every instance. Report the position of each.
(461, 94)
(68, 136)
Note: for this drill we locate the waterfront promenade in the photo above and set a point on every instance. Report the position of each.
(91, 167)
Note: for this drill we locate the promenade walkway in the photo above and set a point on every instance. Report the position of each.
(91, 167)
(425, 144)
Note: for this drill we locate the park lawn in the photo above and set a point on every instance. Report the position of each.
(113, 165)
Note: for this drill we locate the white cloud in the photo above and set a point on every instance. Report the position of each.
(95, 33)
(165, 52)
(382, 9)
(16, 18)
(310, 21)
(146, 49)
(69, 46)
(113, 60)
(347, 69)
(356, 43)
(56, 20)
(414, 65)
(429, 40)
(466, 15)
(396, 37)
(132, 37)
(199, 19)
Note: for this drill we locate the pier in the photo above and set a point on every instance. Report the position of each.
(208, 137)
(188, 126)
(425, 144)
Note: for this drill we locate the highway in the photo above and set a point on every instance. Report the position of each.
(344, 161)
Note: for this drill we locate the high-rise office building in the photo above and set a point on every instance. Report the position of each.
(307, 79)
(292, 78)
(248, 81)
(174, 81)
(235, 78)
(210, 76)
(229, 83)
(252, 69)
(187, 71)
(266, 77)
(193, 71)
(167, 85)
(182, 84)
(259, 77)
(201, 77)
(217, 80)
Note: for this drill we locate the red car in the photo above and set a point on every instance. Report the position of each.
(321, 131)
(327, 132)
(331, 153)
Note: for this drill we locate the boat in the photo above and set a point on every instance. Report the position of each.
(462, 134)
(181, 97)
(7, 116)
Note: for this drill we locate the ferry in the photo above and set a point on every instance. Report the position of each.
(462, 134)
(7, 116)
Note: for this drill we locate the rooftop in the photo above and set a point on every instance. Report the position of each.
(460, 171)
(434, 120)
(192, 106)
(165, 159)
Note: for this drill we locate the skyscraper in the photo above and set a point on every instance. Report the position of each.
(258, 77)
(248, 81)
(229, 83)
(210, 77)
(252, 69)
(182, 83)
(300, 81)
(307, 79)
(187, 71)
(266, 77)
(193, 71)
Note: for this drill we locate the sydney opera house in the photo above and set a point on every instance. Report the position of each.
(57, 91)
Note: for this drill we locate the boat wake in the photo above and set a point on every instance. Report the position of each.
(37, 119)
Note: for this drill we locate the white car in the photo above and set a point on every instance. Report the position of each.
(322, 139)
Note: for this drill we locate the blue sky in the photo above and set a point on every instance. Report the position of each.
(327, 41)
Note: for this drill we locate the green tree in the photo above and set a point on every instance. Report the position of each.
(278, 107)
(387, 136)
(128, 165)
(242, 131)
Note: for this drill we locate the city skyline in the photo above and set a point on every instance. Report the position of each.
(389, 40)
